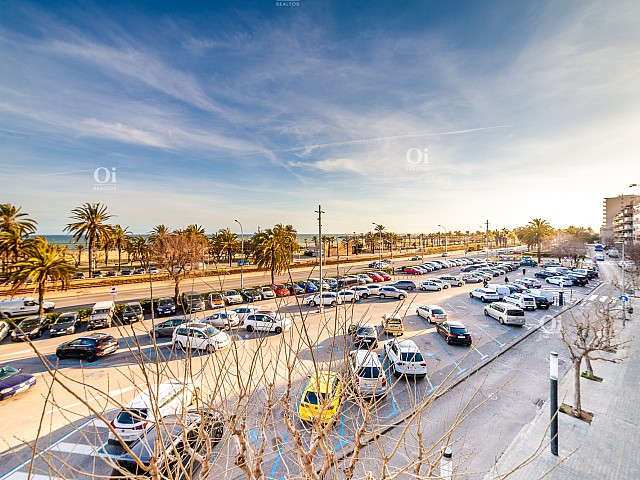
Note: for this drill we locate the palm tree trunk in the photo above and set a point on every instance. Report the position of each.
(106, 256)
(90, 256)
(119, 258)
(577, 401)
(42, 286)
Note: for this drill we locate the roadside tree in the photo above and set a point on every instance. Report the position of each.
(89, 225)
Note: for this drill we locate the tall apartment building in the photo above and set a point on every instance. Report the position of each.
(620, 218)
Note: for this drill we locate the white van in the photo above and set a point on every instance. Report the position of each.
(16, 307)
(501, 290)
(539, 292)
(138, 416)
(102, 315)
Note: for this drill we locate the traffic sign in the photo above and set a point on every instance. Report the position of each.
(114, 291)
(624, 298)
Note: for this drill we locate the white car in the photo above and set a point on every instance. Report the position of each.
(363, 291)
(349, 295)
(232, 297)
(4, 330)
(452, 280)
(526, 302)
(471, 278)
(441, 282)
(405, 358)
(223, 319)
(505, 313)
(267, 322)
(154, 271)
(374, 289)
(267, 293)
(430, 285)
(485, 294)
(328, 298)
(367, 279)
(560, 281)
(200, 336)
(432, 313)
(244, 312)
(392, 292)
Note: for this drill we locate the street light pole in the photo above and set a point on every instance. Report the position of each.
(445, 237)
(487, 240)
(242, 253)
(553, 404)
(379, 244)
(320, 212)
(624, 286)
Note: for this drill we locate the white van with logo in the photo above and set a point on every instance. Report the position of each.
(17, 307)
(138, 416)
(101, 315)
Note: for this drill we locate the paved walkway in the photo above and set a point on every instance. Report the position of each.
(607, 449)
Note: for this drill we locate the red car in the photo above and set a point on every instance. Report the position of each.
(281, 290)
(412, 271)
(375, 277)
(384, 275)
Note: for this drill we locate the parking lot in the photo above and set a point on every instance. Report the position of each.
(317, 339)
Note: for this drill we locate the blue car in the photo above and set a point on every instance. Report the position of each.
(308, 287)
(166, 306)
(13, 381)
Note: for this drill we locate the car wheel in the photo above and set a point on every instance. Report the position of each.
(501, 321)
(312, 303)
(278, 330)
(486, 314)
(60, 356)
(439, 289)
(333, 304)
(429, 319)
(423, 289)
(382, 295)
(470, 295)
(210, 349)
(409, 288)
(483, 300)
(401, 297)
(73, 330)
(249, 328)
(91, 357)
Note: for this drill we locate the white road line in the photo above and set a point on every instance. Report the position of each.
(494, 338)
(603, 298)
(593, 297)
(96, 424)
(16, 353)
(112, 393)
(75, 448)
(33, 476)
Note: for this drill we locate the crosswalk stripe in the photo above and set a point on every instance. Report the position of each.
(593, 297)
(603, 298)
(75, 448)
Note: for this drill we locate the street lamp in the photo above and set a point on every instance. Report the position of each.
(445, 237)
(624, 287)
(242, 253)
(553, 407)
(379, 243)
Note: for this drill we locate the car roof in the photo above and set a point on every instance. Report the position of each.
(432, 306)
(407, 346)
(453, 323)
(321, 381)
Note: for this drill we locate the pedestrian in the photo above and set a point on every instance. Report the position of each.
(524, 271)
(485, 283)
(506, 279)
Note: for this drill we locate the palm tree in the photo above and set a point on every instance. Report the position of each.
(537, 230)
(12, 243)
(79, 247)
(42, 262)
(90, 225)
(107, 243)
(120, 237)
(139, 249)
(345, 243)
(274, 247)
(225, 241)
(10, 217)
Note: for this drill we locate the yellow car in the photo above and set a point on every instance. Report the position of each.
(321, 397)
(392, 323)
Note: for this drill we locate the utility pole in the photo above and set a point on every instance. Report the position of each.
(320, 212)
(379, 244)
(624, 287)
(242, 253)
(553, 404)
(487, 240)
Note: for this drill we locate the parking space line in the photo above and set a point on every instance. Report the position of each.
(279, 457)
(460, 369)
(482, 355)
(593, 297)
(75, 448)
(491, 336)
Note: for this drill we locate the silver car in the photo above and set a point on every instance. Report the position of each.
(225, 319)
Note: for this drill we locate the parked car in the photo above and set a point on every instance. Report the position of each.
(126, 272)
(295, 289)
(132, 313)
(328, 299)
(102, 315)
(501, 289)
(471, 278)
(413, 271)
(454, 333)
(376, 277)
(165, 306)
(232, 297)
(166, 328)
(348, 295)
(192, 302)
(363, 291)
(580, 280)
(281, 290)
(392, 323)
(321, 397)
(4, 328)
(226, 320)
(430, 285)
(385, 276)
(364, 335)
(244, 312)
(267, 293)
(250, 295)
(505, 313)
(374, 289)
(267, 322)
(432, 313)
(545, 274)
(560, 280)
(140, 415)
(405, 358)
(403, 284)
(530, 282)
(309, 287)
(541, 301)
(96, 274)
(391, 292)
(77, 276)
(216, 300)
(90, 347)
(66, 324)
(528, 263)
(366, 373)
(440, 282)
(110, 273)
(13, 381)
(364, 279)
(484, 294)
(139, 271)
(200, 336)
(525, 302)
(30, 328)
(452, 280)
(171, 445)
(16, 307)
(551, 264)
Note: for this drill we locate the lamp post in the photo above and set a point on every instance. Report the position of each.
(445, 237)
(553, 404)
(242, 253)
(624, 286)
(320, 212)
(379, 243)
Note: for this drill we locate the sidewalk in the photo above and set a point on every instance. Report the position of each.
(606, 449)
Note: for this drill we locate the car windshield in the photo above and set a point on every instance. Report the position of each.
(369, 372)
(101, 311)
(130, 417)
(131, 308)
(411, 357)
(7, 372)
(363, 331)
(230, 293)
(312, 397)
(515, 313)
(210, 331)
(165, 301)
(458, 330)
(63, 321)
(29, 323)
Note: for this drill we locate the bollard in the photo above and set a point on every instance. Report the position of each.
(446, 464)
(561, 298)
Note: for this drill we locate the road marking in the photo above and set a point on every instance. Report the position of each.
(75, 448)
(95, 423)
(491, 336)
(279, 457)
(603, 298)
(482, 355)
(113, 393)
(26, 476)
(16, 353)
(460, 369)
(593, 297)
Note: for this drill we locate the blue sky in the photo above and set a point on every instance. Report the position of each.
(409, 114)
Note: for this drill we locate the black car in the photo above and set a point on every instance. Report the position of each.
(90, 347)
(294, 288)
(166, 306)
(250, 295)
(13, 381)
(198, 428)
(403, 284)
(166, 328)
(541, 302)
(126, 272)
(110, 273)
(65, 324)
(592, 274)
(545, 274)
(365, 335)
(132, 313)
(96, 274)
(454, 332)
(30, 327)
(581, 280)
(77, 276)
(138, 271)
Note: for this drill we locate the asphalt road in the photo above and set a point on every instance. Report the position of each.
(70, 433)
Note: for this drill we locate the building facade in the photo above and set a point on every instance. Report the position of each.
(618, 218)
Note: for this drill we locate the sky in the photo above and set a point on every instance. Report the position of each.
(409, 114)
